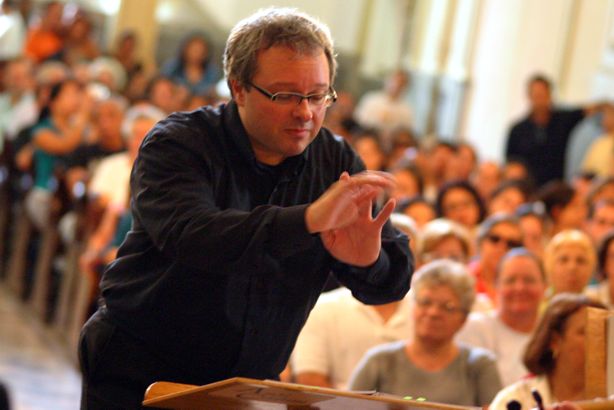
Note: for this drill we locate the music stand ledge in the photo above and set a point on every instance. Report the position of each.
(251, 394)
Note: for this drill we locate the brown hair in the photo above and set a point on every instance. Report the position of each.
(538, 356)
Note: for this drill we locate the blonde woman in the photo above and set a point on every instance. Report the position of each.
(569, 260)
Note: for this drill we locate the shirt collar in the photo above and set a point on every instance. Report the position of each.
(234, 129)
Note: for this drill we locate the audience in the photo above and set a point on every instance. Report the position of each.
(432, 364)
(554, 356)
(73, 115)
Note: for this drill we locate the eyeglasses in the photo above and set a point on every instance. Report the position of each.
(510, 243)
(289, 98)
(448, 307)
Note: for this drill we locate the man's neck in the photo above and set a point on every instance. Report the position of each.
(541, 116)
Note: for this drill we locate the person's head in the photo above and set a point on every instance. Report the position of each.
(108, 71)
(161, 92)
(405, 224)
(137, 123)
(605, 258)
(569, 260)
(566, 208)
(465, 161)
(444, 293)
(602, 188)
(369, 148)
(64, 99)
(520, 284)
(194, 50)
(539, 90)
(559, 337)
(486, 178)
(397, 83)
(507, 197)
(607, 121)
(126, 43)
(516, 169)
(534, 224)
(280, 67)
(80, 27)
(410, 182)
(418, 208)
(460, 202)
(439, 158)
(108, 116)
(600, 219)
(18, 76)
(497, 235)
(444, 239)
(52, 16)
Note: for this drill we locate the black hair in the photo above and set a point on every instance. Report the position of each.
(464, 185)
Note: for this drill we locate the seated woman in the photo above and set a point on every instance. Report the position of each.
(460, 202)
(569, 260)
(565, 206)
(432, 364)
(554, 355)
(520, 286)
(496, 235)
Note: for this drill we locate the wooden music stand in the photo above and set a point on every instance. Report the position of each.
(250, 394)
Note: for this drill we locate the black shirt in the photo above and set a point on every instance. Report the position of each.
(543, 149)
(219, 272)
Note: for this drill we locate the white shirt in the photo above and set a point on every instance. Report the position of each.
(111, 178)
(339, 332)
(521, 392)
(601, 293)
(377, 110)
(599, 156)
(12, 35)
(15, 117)
(488, 331)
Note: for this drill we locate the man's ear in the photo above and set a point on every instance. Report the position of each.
(238, 92)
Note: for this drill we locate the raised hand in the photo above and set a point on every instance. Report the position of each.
(343, 217)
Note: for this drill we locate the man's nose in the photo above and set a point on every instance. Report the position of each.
(303, 110)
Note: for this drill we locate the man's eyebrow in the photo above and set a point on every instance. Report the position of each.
(289, 86)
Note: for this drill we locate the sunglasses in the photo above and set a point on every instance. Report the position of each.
(509, 243)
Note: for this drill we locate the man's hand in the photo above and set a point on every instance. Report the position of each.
(343, 217)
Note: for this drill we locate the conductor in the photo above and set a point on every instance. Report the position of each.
(240, 213)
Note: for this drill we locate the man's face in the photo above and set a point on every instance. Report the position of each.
(277, 131)
(539, 95)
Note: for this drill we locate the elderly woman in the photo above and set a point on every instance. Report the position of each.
(569, 260)
(520, 285)
(554, 355)
(432, 364)
(496, 235)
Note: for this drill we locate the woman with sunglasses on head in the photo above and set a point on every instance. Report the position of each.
(496, 235)
(432, 364)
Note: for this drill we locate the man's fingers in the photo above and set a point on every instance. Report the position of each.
(385, 213)
(376, 178)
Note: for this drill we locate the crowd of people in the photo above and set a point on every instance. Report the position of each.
(508, 254)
